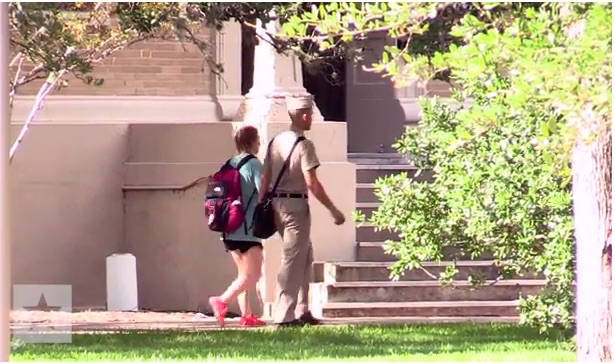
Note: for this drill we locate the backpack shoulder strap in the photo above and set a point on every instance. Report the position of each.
(286, 163)
(244, 160)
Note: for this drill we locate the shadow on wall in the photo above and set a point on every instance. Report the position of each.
(366, 101)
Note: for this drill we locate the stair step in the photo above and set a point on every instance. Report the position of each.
(367, 232)
(386, 167)
(367, 205)
(408, 320)
(368, 251)
(366, 185)
(333, 272)
(367, 211)
(373, 251)
(367, 173)
(415, 291)
(441, 309)
(368, 155)
(365, 193)
(377, 158)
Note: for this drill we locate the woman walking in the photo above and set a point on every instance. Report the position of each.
(245, 249)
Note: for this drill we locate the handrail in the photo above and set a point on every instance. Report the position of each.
(166, 188)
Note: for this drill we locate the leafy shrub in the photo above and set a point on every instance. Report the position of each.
(491, 193)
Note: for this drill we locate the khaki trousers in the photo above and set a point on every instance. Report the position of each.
(293, 222)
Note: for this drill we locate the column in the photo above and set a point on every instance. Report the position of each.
(275, 77)
(228, 85)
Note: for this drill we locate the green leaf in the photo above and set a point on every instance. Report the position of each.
(288, 29)
(552, 124)
(544, 128)
(385, 57)
(437, 60)
(463, 133)
(393, 69)
(457, 31)
(393, 50)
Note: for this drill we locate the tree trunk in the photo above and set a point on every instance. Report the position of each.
(591, 191)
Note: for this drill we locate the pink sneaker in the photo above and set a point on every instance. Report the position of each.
(219, 309)
(251, 321)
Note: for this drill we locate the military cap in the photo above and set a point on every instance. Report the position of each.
(299, 102)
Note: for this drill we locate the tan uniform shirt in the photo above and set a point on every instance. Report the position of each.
(303, 159)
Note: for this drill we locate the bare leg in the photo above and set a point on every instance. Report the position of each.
(249, 268)
(244, 303)
(254, 262)
(239, 284)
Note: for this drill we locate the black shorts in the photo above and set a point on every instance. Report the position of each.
(242, 246)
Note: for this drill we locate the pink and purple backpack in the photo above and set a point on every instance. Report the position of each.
(224, 208)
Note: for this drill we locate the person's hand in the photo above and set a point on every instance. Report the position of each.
(338, 217)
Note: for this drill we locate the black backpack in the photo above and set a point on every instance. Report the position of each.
(264, 215)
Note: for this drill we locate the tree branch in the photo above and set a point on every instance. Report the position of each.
(42, 93)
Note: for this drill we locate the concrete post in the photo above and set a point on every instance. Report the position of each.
(5, 242)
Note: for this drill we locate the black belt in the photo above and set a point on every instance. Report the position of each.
(289, 195)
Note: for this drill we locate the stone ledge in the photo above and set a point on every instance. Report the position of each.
(165, 176)
(412, 107)
(227, 106)
(134, 109)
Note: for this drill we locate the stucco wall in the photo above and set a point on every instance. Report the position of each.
(66, 206)
(180, 261)
(72, 206)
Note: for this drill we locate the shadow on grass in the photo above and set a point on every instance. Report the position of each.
(342, 342)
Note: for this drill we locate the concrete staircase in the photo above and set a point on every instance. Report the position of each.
(363, 289)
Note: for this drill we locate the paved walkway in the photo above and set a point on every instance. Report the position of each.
(101, 322)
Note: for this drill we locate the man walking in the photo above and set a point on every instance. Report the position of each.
(293, 219)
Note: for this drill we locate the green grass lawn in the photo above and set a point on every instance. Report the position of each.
(451, 342)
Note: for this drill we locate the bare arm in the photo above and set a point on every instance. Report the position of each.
(314, 185)
(266, 177)
(265, 181)
(309, 164)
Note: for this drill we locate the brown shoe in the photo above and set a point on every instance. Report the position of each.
(308, 319)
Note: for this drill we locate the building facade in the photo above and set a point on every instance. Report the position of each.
(104, 169)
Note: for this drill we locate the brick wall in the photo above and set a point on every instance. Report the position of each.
(154, 68)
